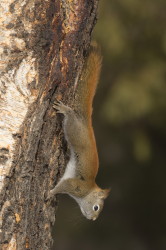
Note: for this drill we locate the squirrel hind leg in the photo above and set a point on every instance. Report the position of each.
(60, 107)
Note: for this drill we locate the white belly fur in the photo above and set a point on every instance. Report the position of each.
(70, 168)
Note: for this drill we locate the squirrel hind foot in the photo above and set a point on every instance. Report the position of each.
(60, 107)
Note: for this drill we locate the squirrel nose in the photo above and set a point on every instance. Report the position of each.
(94, 218)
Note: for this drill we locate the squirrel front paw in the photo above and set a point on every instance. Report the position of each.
(50, 195)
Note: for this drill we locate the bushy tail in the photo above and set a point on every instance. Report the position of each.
(88, 81)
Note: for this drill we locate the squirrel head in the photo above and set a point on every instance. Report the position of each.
(92, 204)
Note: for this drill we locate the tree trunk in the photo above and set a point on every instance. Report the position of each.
(42, 47)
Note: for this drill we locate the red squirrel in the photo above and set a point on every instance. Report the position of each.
(78, 180)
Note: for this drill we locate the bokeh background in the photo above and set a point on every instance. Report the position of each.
(130, 127)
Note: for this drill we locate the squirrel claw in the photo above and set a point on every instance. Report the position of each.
(46, 197)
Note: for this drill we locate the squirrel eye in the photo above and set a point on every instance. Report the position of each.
(96, 207)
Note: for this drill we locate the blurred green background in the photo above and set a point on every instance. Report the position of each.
(130, 128)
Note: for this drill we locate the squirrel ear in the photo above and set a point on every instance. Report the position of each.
(104, 193)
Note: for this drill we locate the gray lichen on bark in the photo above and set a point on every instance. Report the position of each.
(42, 47)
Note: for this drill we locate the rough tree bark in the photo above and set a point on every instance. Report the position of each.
(42, 48)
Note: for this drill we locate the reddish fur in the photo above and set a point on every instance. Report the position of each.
(89, 80)
(86, 91)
